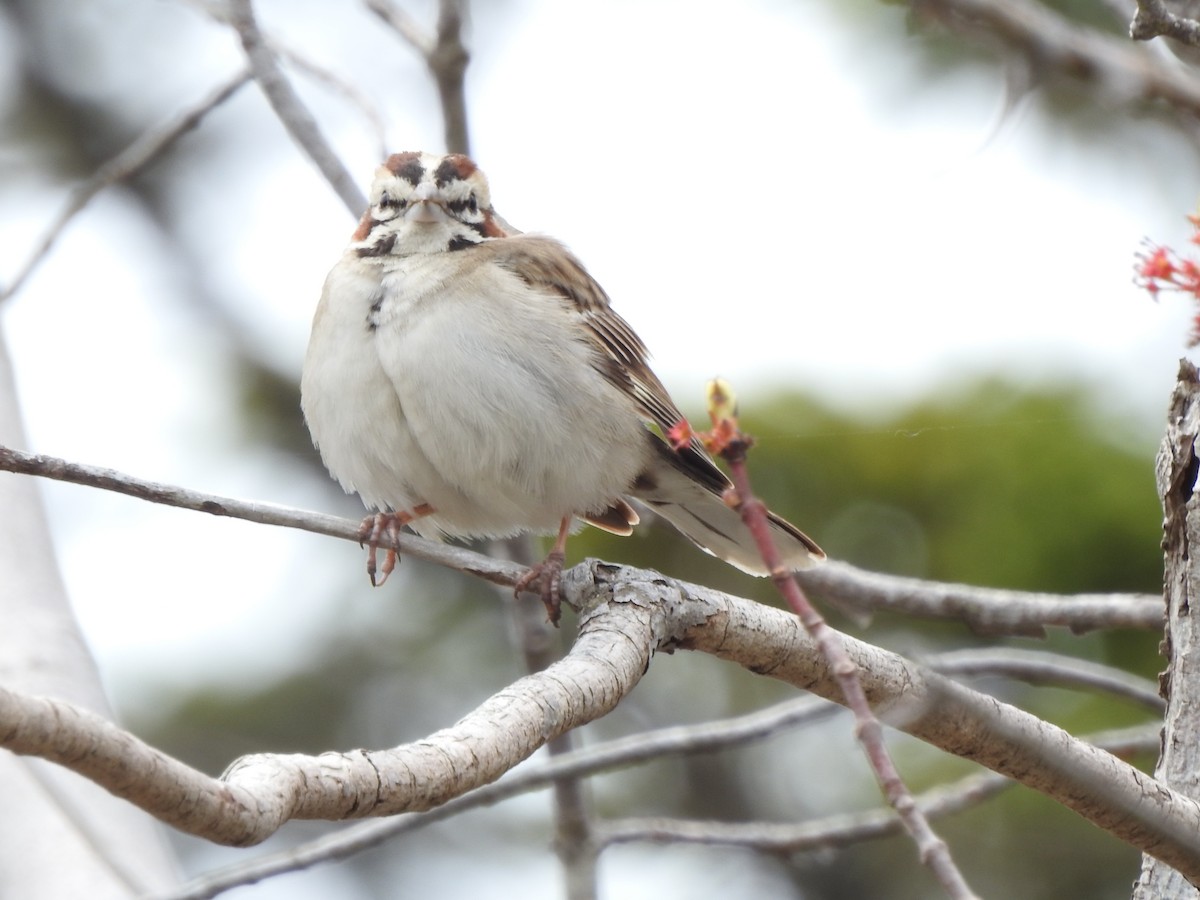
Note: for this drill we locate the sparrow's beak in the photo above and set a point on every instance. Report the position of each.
(426, 207)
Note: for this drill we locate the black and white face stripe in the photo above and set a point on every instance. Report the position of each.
(422, 203)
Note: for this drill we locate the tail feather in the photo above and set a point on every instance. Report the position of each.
(696, 508)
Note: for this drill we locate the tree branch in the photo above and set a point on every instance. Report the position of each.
(932, 850)
(1039, 667)
(1153, 19)
(990, 611)
(849, 829)
(148, 147)
(289, 108)
(1051, 42)
(259, 793)
(625, 620)
(995, 611)
(446, 58)
(493, 570)
(579, 763)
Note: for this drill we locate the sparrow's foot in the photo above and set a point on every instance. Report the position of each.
(545, 579)
(372, 530)
(386, 524)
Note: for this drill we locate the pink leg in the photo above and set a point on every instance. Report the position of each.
(386, 525)
(547, 575)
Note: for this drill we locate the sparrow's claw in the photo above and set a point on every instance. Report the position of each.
(546, 577)
(373, 529)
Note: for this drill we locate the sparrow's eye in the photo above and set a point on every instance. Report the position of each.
(387, 201)
(470, 205)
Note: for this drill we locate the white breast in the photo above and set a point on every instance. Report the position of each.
(442, 380)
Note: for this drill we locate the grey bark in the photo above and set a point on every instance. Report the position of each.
(1179, 760)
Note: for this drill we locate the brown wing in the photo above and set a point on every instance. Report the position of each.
(544, 263)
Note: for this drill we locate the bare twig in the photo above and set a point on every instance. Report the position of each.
(820, 834)
(732, 445)
(540, 645)
(493, 570)
(853, 828)
(148, 147)
(857, 585)
(1052, 43)
(1040, 667)
(446, 58)
(369, 110)
(990, 611)
(290, 110)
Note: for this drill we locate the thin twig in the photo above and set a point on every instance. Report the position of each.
(1101, 611)
(369, 109)
(1053, 43)
(819, 834)
(988, 611)
(446, 58)
(853, 828)
(732, 445)
(493, 570)
(448, 65)
(289, 108)
(148, 147)
(541, 646)
(1041, 667)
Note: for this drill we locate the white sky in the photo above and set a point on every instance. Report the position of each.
(767, 193)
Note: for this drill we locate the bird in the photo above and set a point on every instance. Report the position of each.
(467, 380)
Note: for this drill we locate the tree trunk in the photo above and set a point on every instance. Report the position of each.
(61, 836)
(1179, 761)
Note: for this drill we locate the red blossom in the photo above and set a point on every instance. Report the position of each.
(1162, 269)
(1157, 266)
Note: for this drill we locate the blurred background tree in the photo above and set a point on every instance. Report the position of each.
(163, 336)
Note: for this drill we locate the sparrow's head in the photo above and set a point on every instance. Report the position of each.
(423, 203)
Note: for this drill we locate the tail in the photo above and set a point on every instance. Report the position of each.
(685, 489)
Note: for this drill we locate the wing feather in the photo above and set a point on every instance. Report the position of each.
(621, 357)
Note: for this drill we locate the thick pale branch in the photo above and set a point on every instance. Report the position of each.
(259, 793)
(1111, 794)
(1153, 19)
(579, 763)
(625, 619)
(365, 104)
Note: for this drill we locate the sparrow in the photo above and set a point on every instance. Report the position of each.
(467, 380)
